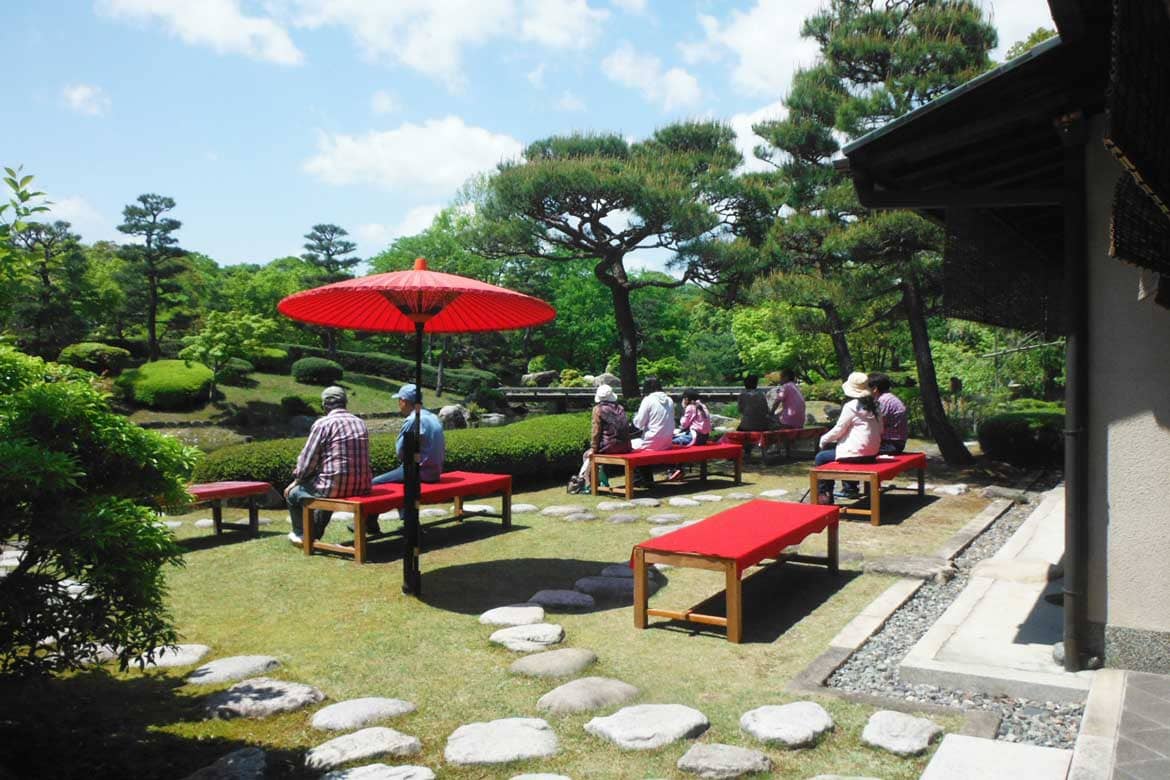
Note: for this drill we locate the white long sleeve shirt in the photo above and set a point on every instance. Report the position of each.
(858, 433)
(655, 418)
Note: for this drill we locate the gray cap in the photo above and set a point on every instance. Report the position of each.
(334, 396)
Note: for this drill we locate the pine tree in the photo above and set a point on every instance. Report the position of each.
(152, 264)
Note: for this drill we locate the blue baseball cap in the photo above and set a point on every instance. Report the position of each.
(408, 393)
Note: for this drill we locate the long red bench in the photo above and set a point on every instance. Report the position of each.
(452, 486)
(765, 439)
(698, 453)
(886, 467)
(731, 542)
(214, 493)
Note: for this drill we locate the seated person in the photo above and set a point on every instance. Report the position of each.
(432, 446)
(655, 419)
(693, 428)
(753, 407)
(856, 436)
(335, 461)
(610, 432)
(895, 429)
(789, 402)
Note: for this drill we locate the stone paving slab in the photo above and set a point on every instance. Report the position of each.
(585, 694)
(720, 761)
(683, 501)
(972, 758)
(261, 697)
(367, 743)
(524, 509)
(247, 763)
(500, 742)
(235, 667)
(796, 725)
(381, 772)
(623, 517)
(646, 502)
(529, 638)
(355, 713)
(899, 733)
(614, 506)
(174, 656)
(564, 662)
(649, 726)
(563, 600)
(560, 510)
(513, 615)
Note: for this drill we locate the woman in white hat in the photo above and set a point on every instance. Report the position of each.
(610, 432)
(856, 437)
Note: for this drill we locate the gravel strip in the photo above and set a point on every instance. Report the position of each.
(873, 669)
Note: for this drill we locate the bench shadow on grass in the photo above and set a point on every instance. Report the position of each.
(473, 588)
(897, 507)
(96, 725)
(210, 540)
(389, 547)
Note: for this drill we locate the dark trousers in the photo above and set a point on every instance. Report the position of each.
(828, 456)
(888, 447)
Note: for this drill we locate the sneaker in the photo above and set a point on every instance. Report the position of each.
(295, 539)
(675, 475)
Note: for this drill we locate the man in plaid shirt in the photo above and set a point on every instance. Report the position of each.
(334, 462)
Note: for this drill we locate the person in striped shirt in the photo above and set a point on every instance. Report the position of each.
(335, 461)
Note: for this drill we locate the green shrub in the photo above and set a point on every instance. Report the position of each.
(272, 360)
(167, 384)
(828, 390)
(294, 405)
(571, 377)
(235, 372)
(1024, 438)
(317, 371)
(459, 380)
(531, 450)
(96, 357)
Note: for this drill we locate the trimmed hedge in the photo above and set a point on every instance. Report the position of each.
(461, 380)
(272, 360)
(167, 384)
(531, 450)
(1024, 438)
(235, 372)
(317, 371)
(96, 357)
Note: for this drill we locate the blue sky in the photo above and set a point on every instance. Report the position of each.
(264, 118)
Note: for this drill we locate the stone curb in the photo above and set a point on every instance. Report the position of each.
(1093, 754)
(964, 536)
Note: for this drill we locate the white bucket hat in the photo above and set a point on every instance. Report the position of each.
(604, 393)
(857, 385)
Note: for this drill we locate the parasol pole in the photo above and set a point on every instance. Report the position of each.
(411, 575)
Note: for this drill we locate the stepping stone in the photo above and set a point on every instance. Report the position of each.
(243, 764)
(682, 501)
(795, 725)
(173, 524)
(529, 639)
(500, 741)
(560, 510)
(622, 517)
(613, 506)
(774, 493)
(1024, 570)
(355, 713)
(261, 697)
(587, 693)
(204, 522)
(263, 521)
(707, 498)
(540, 776)
(666, 517)
(740, 495)
(717, 761)
(951, 490)
(898, 733)
(610, 589)
(524, 509)
(475, 508)
(579, 517)
(618, 570)
(565, 662)
(665, 529)
(649, 726)
(432, 512)
(513, 615)
(236, 667)
(367, 743)
(961, 757)
(563, 600)
(844, 777)
(345, 517)
(647, 502)
(381, 772)
(170, 657)
(923, 567)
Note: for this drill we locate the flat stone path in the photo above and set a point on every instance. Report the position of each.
(178, 655)
(649, 726)
(564, 662)
(579, 517)
(613, 506)
(666, 518)
(646, 502)
(774, 493)
(367, 743)
(560, 510)
(530, 638)
(899, 733)
(355, 713)
(623, 517)
(236, 667)
(795, 725)
(261, 697)
(524, 509)
(247, 763)
(513, 615)
(500, 741)
(585, 694)
(563, 600)
(682, 501)
(381, 772)
(720, 761)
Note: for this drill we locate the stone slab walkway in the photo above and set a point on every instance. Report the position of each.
(974, 758)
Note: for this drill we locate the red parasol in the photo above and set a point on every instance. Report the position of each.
(424, 302)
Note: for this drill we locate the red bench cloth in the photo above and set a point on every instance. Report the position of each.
(886, 466)
(748, 533)
(680, 454)
(451, 484)
(778, 435)
(210, 491)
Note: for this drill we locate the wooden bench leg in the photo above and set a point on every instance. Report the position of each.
(814, 495)
(307, 528)
(359, 535)
(640, 597)
(734, 604)
(217, 516)
(506, 508)
(833, 554)
(459, 508)
(875, 500)
(702, 471)
(253, 516)
(629, 481)
(922, 482)
(739, 469)
(593, 475)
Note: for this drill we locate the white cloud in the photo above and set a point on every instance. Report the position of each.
(437, 156)
(382, 102)
(372, 233)
(536, 76)
(570, 102)
(1015, 20)
(86, 99)
(674, 88)
(746, 140)
(417, 219)
(219, 24)
(631, 6)
(86, 220)
(561, 24)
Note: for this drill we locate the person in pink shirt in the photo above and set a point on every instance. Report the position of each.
(789, 401)
(693, 428)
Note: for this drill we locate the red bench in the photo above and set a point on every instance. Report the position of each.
(886, 467)
(452, 486)
(765, 439)
(214, 493)
(731, 542)
(698, 453)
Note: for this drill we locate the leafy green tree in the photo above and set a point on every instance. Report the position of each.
(78, 480)
(21, 204)
(105, 304)
(50, 310)
(326, 249)
(150, 267)
(226, 335)
(1039, 35)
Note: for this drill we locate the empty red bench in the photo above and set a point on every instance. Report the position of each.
(698, 453)
(765, 439)
(731, 542)
(886, 467)
(214, 493)
(452, 486)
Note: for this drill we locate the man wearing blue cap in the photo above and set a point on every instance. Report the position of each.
(432, 446)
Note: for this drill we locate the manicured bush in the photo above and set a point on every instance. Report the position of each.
(1024, 438)
(293, 405)
(317, 371)
(533, 450)
(167, 384)
(271, 360)
(571, 377)
(235, 372)
(459, 380)
(96, 357)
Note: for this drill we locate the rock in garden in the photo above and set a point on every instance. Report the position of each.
(524, 509)
(492, 420)
(606, 378)
(646, 502)
(539, 776)
(529, 639)
(649, 726)
(618, 570)
(236, 667)
(662, 530)
(453, 416)
(898, 733)
(500, 741)
(475, 509)
(243, 764)
(563, 600)
(381, 772)
(177, 655)
(951, 490)
(609, 589)
(261, 697)
(718, 761)
(565, 662)
(613, 506)
(580, 517)
(774, 493)
(344, 517)
(204, 522)
(740, 495)
(622, 517)
(682, 501)
(923, 567)
(540, 378)
(433, 512)
(173, 524)
(587, 693)
(707, 497)
(355, 713)
(560, 510)
(513, 615)
(367, 743)
(665, 518)
(844, 777)
(795, 725)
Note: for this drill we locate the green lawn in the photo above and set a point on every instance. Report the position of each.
(349, 631)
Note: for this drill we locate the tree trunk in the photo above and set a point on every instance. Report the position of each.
(627, 339)
(153, 352)
(950, 444)
(46, 300)
(837, 333)
(331, 343)
(439, 367)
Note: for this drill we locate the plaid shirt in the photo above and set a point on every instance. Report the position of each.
(336, 458)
